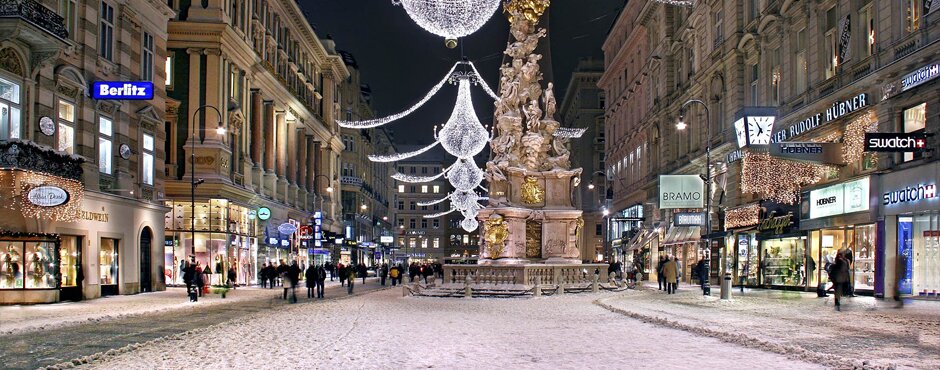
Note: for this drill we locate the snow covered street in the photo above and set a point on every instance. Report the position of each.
(384, 330)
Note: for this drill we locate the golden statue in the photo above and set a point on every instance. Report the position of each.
(532, 192)
(495, 234)
(531, 10)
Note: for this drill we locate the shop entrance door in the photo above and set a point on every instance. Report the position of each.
(108, 267)
(146, 282)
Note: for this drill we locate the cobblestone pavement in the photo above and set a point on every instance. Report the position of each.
(38, 349)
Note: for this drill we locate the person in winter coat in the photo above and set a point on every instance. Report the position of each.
(351, 277)
(363, 272)
(412, 272)
(281, 273)
(232, 277)
(321, 280)
(840, 279)
(199, 278)
(189, 278)
(341, 270)
(659, 272)
(383, 273)
(671, 273)
(701, 272)
(292, 277)
(394, 273)
(311, 276)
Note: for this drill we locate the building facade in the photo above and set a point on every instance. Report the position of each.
(826, 72)
(82, 170)
(420, 238)
(583, 106)
(253, 99)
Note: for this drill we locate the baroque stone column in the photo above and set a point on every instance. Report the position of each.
(281, 167)
(301, 159)
(257, 127)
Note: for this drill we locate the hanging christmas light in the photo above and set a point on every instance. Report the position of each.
(465, 175)
(415, 179)
(469, 224)
(450, 18)
(482, 83)
(439, 214)
(400, 156)
(433, 202)
(462, 199)
(463, 135)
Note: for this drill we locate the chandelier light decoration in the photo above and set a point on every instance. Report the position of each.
(449, 19)
(465, 175)
(463, 135)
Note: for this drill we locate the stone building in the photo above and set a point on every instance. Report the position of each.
(822, 72)
(253, 100)
(82, 168)
(423, 239)
(583, 107)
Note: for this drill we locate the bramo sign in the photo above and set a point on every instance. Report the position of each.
(681, 191)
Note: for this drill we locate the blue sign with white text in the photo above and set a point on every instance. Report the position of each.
(122, 90)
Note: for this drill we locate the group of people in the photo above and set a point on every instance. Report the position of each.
(197, 278)
(669, 270)
(840, 275)
(424, 270)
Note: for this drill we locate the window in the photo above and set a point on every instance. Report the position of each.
(412, 170)
(401, 205)
(867, 16)
(801, 67)
(436, 243)
(147, 160)
(424, 243)
(9, 110)
(106, 31)
(234, 82)
(831, 44)
(437, 189)
(401, 188)
(424, 208)
(424, 170)
(755, 74)
(915, 121)
(67, 11)
(104, 145)
(412, 243)
(719, 34)
(598, 229)
(169, 72)
(412, 188)
(753, 8)
(401, 222)
(146, 58)
(424, 223)
(411, 223)
(775, 76)
(436, 223)
(601, 101)
(424, 188)
(914, 13)
(66, 127)
(411, 206)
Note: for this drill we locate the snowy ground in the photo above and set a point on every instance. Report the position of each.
(866, 331)
(23, 319)
(385, 330)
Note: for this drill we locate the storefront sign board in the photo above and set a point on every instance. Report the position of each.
(122, 90)
(848, 197)
(386, 239)
(910, 190)
(688, 219)
(823, 153)
(264, 213)
(47, 196)
(681, 191)
(835, 111)
(894, 142)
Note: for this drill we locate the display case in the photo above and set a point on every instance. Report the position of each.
(29, 263)
(783, 261)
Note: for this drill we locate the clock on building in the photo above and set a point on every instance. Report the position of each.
(741, 133)
(124, 151)
(47, 126)
(755, 126)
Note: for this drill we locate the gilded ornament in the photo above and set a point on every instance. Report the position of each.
(495, 235)
(531, 10)
(532, 192)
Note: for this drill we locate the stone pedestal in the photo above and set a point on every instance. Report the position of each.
(257, 179)
(270, 180)
(541, 222)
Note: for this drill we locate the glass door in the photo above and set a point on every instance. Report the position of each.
(108, 266)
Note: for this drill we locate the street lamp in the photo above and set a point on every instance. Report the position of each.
(220, 130)
(681, 125)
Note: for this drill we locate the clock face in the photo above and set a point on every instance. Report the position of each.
(758, 130)
(740, 132)
(124, 151)
(47, 126)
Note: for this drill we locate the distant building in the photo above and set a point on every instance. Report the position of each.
(418, 237)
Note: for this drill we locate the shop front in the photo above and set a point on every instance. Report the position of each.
(684, 244)
(840, 218)
(624, 226)
(911, 211)
(783, 258)
(741, 246)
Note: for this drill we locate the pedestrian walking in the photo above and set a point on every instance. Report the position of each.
(342, 274)
(351, 279)
(321, 280)
(189, 278)
(840, 279)
(232, 276)
(199, 278)
(701, 273)
(671, 272)
(900, 273)
(293, 278)
(363, 272)
(311, 277)
(394, 273)
(383, 273)
(331, 269)
(659, 272)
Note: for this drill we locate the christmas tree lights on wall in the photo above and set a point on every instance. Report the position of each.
(450, 19)
(777, 179)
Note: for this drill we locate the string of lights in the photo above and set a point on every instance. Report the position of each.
(853, 142)
(448, 18)
(370, 123)
(439, 214)
(683, 3)
(482, 83)
(433, 202)
(416, 179)
(400, 156)
(777, 179)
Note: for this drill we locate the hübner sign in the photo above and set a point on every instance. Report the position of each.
(825, 153)
(681, 191)
(837, 110)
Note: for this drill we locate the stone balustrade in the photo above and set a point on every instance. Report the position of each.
(526, 275)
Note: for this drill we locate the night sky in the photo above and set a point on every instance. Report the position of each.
(401, 61)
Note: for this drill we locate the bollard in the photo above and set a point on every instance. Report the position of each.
(404, 290)
(561, 288)
(726, 286)
(467, 290)
(538, 286)
(594, 286)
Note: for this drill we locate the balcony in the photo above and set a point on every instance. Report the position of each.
(351, 180)
(32, 23)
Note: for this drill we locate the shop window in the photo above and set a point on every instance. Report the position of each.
(146, 57)
(783, 261)
(919, 244)
(104, 145)
(914, 12)
(915, 121)
(800, 71)
(9, 110)
(106, 31)
(69, 261)
(863, 265)
(831, 44)
(66, 129)
(29, 265)
(108, 262)
(147, 160)
(867, 16)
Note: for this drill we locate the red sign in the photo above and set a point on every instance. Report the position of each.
(932, 234)
(305, 232)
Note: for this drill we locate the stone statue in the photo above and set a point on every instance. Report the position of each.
(531, 149)
(550, 103)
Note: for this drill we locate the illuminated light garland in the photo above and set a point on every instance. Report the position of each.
(385, 120)
(748, 215)
(570, 132)
(463, 135)
(777, 179)
(400, 156)
(433, 202)
(683, 3)
(469, 224)
(853, 142)
(462, 199)
(415, 179)
(27, 180)
(439, 214)
(450, 18)
(482, 83)
(464, 175)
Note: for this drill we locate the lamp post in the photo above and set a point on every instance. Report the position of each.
(605, 210)
(193, 182)
(681, 125)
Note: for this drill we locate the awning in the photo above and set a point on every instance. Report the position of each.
(642, 237)
(682, 235)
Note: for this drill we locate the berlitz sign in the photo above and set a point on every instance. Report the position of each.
(124, 90)
(681, 191)
(47, 196)
(894, 142)
(837, 110)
